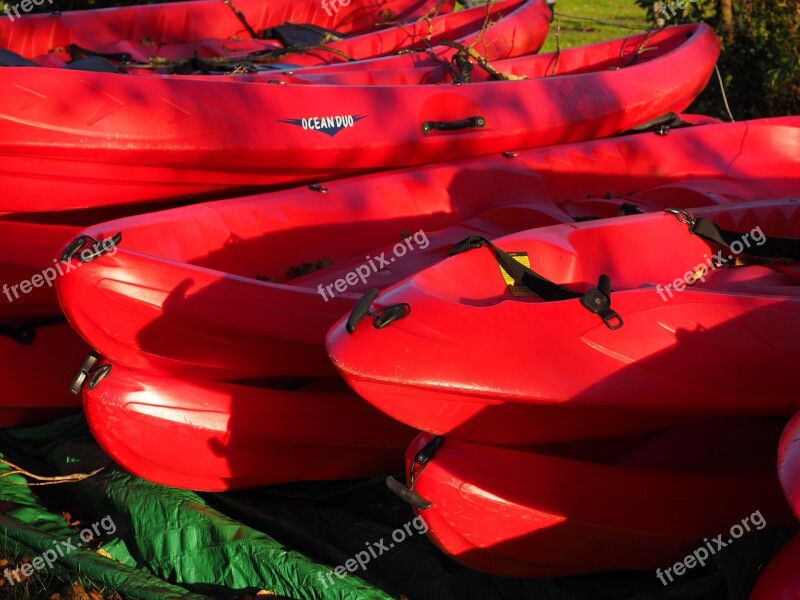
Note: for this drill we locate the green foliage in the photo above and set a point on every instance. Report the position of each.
(761, 64)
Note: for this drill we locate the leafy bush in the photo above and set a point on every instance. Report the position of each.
(760, 62)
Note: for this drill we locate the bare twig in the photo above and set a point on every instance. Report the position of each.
(75, 477)
(240, 15)
(267, 57)
(558, 46)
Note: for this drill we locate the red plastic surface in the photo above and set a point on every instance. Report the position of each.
(789, 463)
(116, 139)
(528, 514)
(476, 362)
(181, 295)
(781, 577)
(36, 376)
(216, 436)
(209, 30)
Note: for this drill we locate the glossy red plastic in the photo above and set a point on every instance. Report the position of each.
(115, 139)
(402, 33)
(217, 436)
(789, 463)
(474, 361)
(781, 577)
(526, 513)
(36, 374)
(192, 292)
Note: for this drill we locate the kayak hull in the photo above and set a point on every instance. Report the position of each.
(216, 437)
(536, 371)
(789, 463)
(567, 516)
(780, 579)
(174, 32)
(37, 373)
(136, 139)
(202, 291)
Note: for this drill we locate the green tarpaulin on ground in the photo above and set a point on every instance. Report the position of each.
(171, 543)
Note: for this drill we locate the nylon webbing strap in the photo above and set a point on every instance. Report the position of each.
(541, 286)
(596, 301)
(770, 247)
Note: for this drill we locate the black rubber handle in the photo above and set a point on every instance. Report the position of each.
(408, 496)
(361, 310)
(469, 123)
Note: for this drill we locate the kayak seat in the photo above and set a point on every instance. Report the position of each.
(95, 64)
(12, 59)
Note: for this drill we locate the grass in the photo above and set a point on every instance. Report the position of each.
(617, 16)
(45, 583)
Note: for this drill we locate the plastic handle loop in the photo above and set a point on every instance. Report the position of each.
(469, 123)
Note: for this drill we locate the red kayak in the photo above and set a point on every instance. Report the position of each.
(30, 265)
(29, 250)
(187, 291)
(38, 357)
(218, 436)
(208, 28)
(781, 578)
(527, 513)
(565, 349)
(789, 463)
(131, 139)
(211, 39)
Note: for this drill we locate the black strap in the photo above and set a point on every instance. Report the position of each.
(660, 125)
(25, 334)
(770, 247)
(94, 64)
(597, 301)
(77, 52)
(541, 286)
(627, 209)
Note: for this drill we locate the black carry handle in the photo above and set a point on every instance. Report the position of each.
(407, 495)
(383, 317)
(81, 242)
(469, 123)
(361, 310)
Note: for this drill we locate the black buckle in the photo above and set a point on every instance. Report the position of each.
(598, 301)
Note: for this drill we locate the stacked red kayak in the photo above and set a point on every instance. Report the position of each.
(131, 139)
(536, 513)
(209, 36)
(612, 327)
(247, 288)
(789, 463)
(690, 310)
(781, 577)
(582, 332)
(221, 436)
(46, 208)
